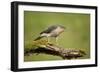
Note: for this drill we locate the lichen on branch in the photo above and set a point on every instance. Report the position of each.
(42, 46)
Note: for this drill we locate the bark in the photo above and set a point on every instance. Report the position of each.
(65, 53)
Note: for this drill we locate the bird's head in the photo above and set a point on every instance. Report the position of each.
(63, 27)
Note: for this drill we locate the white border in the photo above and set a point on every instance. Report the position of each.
(22, 64)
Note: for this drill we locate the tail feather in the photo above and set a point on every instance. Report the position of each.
(38, 38)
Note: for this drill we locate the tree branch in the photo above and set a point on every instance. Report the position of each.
(51, 49)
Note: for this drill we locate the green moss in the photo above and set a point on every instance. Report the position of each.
(39, 43)
(36, 44)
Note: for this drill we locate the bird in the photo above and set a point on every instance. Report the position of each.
(51, 31)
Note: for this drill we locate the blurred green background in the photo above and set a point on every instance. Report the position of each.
(76, 35)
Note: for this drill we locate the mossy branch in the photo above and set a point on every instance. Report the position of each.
(42, 46)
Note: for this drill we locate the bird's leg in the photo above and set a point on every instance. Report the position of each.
(48, 39)
(56, 40)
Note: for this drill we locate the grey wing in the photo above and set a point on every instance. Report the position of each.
(49, 29)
